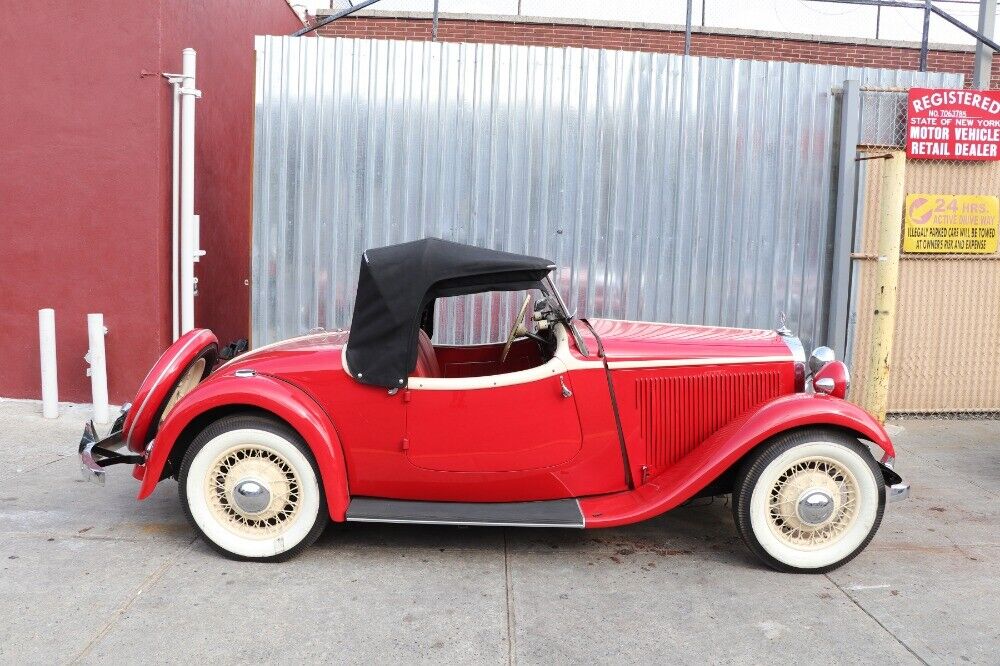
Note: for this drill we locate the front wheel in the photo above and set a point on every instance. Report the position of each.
(810, 501)
(250, 487)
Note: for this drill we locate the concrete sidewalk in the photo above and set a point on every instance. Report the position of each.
(89, 574)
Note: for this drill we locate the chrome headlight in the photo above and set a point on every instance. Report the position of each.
(819, 358)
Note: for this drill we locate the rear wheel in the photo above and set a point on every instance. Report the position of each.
(251, 488)
(810, 501)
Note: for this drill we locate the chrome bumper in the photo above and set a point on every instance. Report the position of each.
(895, 489)
(897, 492)
(89, 468)
(97, 453)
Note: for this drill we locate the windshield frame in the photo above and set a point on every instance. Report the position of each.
(565, 316)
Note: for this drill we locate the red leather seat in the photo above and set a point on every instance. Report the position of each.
(427, 363)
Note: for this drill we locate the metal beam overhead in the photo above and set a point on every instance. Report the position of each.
(925, 35)
(979, 35)
(982, 68)
(687, 29)
(333, 17)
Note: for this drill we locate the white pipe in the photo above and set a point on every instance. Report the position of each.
(47, 346)
(175, 209)
(187, 249)
(98, 370)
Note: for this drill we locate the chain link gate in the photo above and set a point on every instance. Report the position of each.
(947, 327)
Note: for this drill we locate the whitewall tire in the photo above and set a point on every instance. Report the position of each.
(809, 501)
(250, 487)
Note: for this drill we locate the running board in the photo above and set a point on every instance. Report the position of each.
(552, 513)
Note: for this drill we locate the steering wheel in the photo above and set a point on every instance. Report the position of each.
(518, 325)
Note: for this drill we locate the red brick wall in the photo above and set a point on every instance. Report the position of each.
(724, 46)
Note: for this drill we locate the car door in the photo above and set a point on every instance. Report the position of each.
(512, 422)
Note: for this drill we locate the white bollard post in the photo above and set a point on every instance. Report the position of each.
(98, 370)
(47, 349)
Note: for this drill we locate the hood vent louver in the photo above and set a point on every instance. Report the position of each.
(679, 412)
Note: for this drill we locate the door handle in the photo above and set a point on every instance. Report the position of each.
(566, 393)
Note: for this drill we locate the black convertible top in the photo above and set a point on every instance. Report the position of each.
(396, 285)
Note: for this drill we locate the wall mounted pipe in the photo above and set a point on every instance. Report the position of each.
(175, 81)
(47, 347)
(188, 93)
(97, 371)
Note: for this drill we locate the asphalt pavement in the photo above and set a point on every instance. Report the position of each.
(88, 574)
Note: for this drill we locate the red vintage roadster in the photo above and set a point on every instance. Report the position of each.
(572, 422)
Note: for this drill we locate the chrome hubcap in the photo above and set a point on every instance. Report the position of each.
(253, 491)
(813, 503)
(251, 496)
(815, 506)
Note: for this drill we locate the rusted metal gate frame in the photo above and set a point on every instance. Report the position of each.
(921, 393)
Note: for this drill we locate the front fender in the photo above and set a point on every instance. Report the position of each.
(267, 393)
(808, 409)
(723, 449)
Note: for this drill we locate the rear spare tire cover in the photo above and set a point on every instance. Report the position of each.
(197, 351)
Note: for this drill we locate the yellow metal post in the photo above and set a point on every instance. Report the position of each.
(891, 201)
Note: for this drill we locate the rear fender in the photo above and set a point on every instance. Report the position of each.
(725, 448)
(265, 393)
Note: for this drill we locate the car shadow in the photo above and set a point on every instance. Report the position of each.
(703, 529)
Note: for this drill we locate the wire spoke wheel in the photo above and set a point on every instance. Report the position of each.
(251, 487)
(271, 473)
(831, 484)
(809, 500)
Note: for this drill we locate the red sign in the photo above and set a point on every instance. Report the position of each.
(953, 124)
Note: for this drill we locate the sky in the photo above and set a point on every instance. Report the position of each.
(798, 16)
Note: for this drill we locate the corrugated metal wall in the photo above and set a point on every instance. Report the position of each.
(689, 190)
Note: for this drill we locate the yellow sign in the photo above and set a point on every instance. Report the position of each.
(951, 223)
